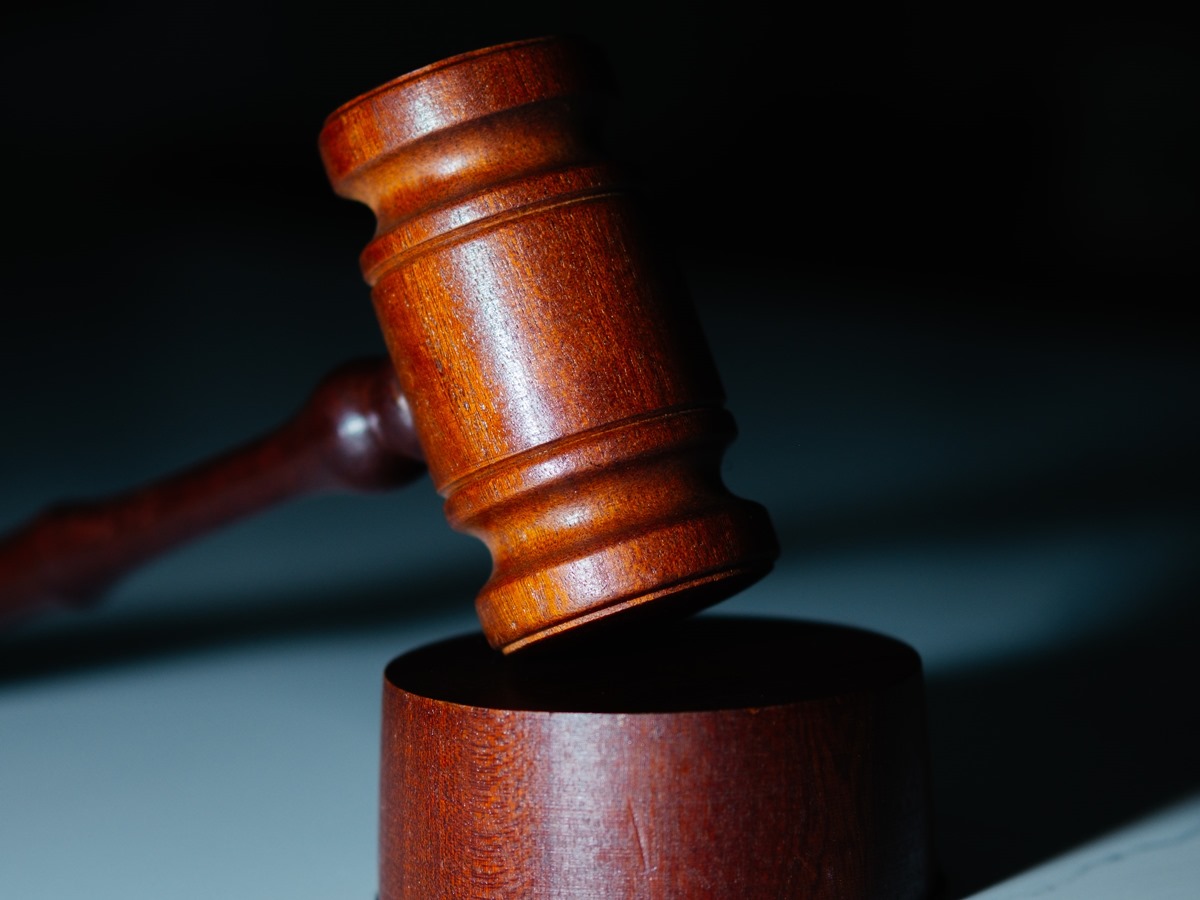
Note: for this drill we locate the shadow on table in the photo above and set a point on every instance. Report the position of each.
(1038, 756)
(80, 647)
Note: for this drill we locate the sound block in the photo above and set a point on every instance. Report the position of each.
(715, 758)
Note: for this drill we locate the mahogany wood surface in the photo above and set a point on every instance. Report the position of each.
(716, 758)
(566, 401)
(558, 381)
(355, 432)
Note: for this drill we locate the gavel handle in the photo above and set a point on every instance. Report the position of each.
(355, 432)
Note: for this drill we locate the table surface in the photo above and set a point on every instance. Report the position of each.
(1022, 511)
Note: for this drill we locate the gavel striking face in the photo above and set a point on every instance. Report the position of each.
(561, 390)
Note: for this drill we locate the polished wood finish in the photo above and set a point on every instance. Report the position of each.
(546, 357)
(722, 758)
(355, 432)
(568, 407)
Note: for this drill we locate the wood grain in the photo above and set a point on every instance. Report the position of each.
(562, 390)
(719, 758)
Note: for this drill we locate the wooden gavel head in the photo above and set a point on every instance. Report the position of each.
(562, 392)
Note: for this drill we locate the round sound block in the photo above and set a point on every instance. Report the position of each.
(715, 758)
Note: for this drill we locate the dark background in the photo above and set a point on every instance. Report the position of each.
(1038, 163)
(946, 259)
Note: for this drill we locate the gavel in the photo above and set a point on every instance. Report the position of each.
(548, 370)
(546, 367)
